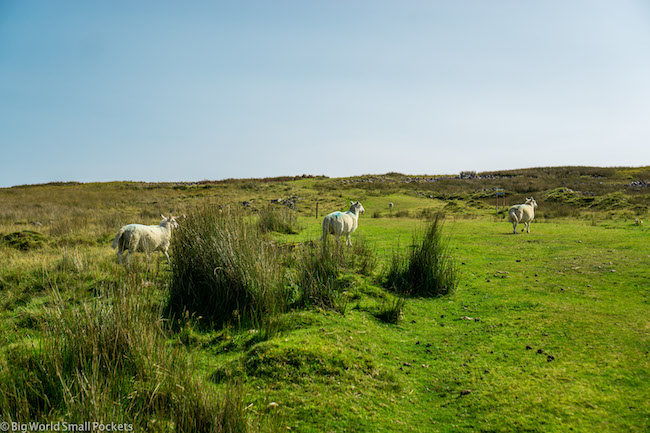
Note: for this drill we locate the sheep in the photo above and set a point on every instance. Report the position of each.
(343, 223)
(147, 239)
(522, 213)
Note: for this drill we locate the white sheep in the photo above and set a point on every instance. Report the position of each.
(522, 213)
(343, 223)
(147, 239)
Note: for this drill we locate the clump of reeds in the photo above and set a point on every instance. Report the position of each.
(391, 311)
(107, 359)
(223, 270)
(426, 269)
(278, 219)
(321, 267)
(362, 258)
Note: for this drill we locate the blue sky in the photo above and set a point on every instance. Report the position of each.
(186, 91)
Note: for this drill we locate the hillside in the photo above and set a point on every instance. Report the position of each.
(598, 189)
(256, 326)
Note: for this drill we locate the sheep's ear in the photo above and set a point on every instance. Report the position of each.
(351, 202)
(163, 216)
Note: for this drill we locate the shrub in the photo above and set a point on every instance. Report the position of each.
(426, 269)
(223, 270)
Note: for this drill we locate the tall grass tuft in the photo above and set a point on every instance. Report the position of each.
(321, 268)
(391, 311)
(107, 359)
(280, 220)
(199, 411)
(89, 357)
(426, 269)
(362, 258)
(223, 270)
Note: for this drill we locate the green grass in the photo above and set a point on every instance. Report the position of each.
(426, 268)
(552, 290)
(547, 331)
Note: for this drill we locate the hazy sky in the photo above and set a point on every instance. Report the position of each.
(185, 91)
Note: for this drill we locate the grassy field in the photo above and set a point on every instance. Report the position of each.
(547, 331)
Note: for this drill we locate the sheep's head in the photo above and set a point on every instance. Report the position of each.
(531, 201)
(357, 206)
(171, 220)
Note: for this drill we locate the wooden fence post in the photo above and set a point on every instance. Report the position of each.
(499, 192)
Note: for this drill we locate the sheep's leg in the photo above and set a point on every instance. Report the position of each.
(133, 247)
(119, 256)
(514, 227)
(528, 227)
(167, 255)
(348, 240)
